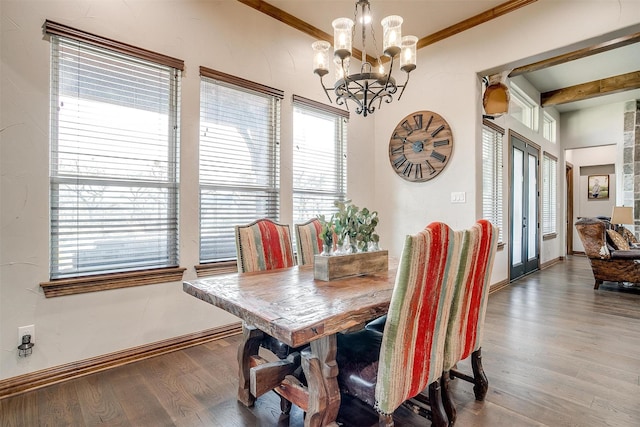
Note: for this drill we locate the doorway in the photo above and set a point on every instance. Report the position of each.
(569, 178)
(524, 223)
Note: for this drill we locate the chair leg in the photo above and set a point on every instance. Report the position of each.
(438, 413)
(481, 383)
(597, 284)
(285, 406)
(447, 401)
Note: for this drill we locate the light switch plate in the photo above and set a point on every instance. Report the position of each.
(458, 197)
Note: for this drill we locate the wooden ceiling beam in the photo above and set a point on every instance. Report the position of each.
(478, 19)
(578, 54)
(620, 83)
(299, 24)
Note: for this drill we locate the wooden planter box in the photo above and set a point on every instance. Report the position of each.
(335, 267)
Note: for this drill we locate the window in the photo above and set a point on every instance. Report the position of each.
(523, 108)
(239, 159)
(549, 201)
(114, 157)
(319, 158)
(492, 136)
(548, 127)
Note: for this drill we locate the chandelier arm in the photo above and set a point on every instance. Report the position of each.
(379, 96)
(390, 71)
(326, 90)
(406, 82)
(343, 93)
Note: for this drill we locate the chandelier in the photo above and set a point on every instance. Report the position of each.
(367, 88)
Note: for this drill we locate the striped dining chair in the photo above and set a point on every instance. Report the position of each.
(263, 245)
(266, 245)
(308, 241)
(468, 308)
(384, 370)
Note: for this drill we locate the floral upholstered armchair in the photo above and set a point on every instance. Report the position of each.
(610, 254)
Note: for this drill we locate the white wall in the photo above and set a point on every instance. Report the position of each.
(233, 38)
(582, 205)
(592, 127)
(448, 84)
(223, 35)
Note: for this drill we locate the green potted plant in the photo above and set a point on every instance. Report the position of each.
(326, 234)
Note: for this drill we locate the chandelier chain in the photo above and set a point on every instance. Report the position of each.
(367, 89)
(375, 46)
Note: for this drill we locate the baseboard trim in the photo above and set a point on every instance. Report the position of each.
(551, 262)
(498, 286)
(45, 377)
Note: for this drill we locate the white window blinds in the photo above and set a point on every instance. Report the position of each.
(549, 194)
(239, 159)
(492, 209)
(114, 159)
(319, 158)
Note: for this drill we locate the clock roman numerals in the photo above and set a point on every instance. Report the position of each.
(407, 169)
(396, 135)
(430, 167)
(429, 123)
(407, 127)
(439, 157)
(440, 143)
(437, 131)
(418, 173)
(397, 163)
(398, 149)
(418, 119)
(420, 146)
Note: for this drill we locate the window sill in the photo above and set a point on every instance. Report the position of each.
(549, 236)
(103, 282)
(214, 268)
(501, 246)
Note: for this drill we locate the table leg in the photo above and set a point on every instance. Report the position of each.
(251, 337)
(321, 370)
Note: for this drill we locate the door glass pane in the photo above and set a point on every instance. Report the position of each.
(532, 216)
(518, 175)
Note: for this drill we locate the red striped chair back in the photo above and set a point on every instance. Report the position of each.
(263, 245)
(308, 241)
(468, 309)
(412, 344)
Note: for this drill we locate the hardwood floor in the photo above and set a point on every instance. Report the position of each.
(556, 352)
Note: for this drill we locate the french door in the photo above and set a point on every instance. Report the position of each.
(524, 222)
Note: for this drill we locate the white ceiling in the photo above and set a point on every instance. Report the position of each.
(425, 17)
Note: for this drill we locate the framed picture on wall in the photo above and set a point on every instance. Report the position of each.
(598, 187)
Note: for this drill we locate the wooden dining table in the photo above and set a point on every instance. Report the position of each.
(290, 305)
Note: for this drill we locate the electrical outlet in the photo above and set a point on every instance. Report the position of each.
(27, 330)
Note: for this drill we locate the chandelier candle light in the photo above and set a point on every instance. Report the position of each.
(366, 87)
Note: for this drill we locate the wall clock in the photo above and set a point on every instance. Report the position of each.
(420, 146)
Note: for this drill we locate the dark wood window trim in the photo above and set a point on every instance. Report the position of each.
(214, 268)
(549, 155)
(493, 126)
(238, 81)
(320, 106)
(102, 282)
(51, 27)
